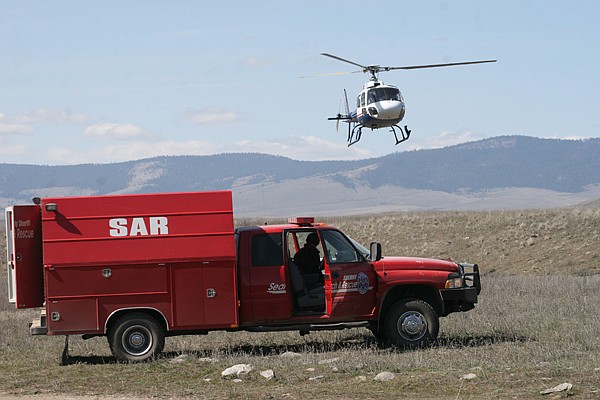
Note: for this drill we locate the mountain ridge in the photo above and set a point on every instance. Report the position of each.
(559, 172)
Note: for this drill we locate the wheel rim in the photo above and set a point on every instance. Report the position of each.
(137, 340)
(412, 325)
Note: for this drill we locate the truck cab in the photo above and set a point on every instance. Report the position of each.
(275, 289)
(399, 298)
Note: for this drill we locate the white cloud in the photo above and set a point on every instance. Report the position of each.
(116, 131)
(212, 115)
(568, 137)
(445, 139)
(45, 115)
(8, 127)
(61, 155)
(139, 150)
(13, 150)
(308, 148)
(254, 62)
(20, 124)
(14, 129)
(298, 148)
(128, 151)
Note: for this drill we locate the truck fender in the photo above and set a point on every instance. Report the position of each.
(115, 315)
(427, 293)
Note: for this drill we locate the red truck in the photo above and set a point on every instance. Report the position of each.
(139, 268)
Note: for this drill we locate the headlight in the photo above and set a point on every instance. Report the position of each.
(454, 281)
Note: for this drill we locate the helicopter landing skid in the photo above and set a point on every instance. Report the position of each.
(355, 133)
(404, 132)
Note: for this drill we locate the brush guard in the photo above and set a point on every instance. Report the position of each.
(465, 286)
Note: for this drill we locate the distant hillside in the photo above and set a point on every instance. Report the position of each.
(501, 172)
(591, 204)
(507, 161)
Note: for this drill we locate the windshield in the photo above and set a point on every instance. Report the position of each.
(362, 249)
(384, 93)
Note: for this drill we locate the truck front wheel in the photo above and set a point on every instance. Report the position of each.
(411, 323)
(136, 337)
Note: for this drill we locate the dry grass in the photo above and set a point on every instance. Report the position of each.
(536, 326)
(540, 242)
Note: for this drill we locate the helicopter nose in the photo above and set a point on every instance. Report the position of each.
(391, 110)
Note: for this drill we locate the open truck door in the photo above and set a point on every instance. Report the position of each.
(309, 275)
(24, 256)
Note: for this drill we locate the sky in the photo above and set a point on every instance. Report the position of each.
(111, 81)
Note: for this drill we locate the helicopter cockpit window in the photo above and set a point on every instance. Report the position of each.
(380, 94)
(362, 99)
(371, 97)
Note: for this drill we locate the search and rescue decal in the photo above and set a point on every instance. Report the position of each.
(352, 283)
(139, 226)
(362, 283)
(277, 288)
(23, 229)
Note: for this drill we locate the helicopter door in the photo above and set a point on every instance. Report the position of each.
(363, 109)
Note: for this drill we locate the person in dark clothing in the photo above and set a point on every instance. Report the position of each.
(308, 258)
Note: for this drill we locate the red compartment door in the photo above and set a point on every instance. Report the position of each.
(24, 252)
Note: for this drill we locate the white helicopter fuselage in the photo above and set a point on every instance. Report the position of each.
(379, 106)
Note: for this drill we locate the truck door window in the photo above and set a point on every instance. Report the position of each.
(267, 250)
(338, 249)
(292, 244)
(298, 239)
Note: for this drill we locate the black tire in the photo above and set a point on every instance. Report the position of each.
(411, 324)
(136, 337)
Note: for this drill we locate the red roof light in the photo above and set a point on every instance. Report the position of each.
(301, 220)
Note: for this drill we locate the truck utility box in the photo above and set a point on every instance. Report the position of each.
(173, 253)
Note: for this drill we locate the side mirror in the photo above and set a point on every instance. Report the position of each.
(375, 251)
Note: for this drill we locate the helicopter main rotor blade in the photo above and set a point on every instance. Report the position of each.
(332, 73)
(344, 60)
(437, 65)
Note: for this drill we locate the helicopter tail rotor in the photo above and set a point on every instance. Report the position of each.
(346, 103)
(346, 110)
(345, 117)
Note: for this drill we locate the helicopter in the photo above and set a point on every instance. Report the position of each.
(379, 105)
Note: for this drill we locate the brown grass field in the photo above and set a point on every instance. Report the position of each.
(537, 325)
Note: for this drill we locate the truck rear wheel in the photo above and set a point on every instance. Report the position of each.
(136, 337)
(411, 323)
